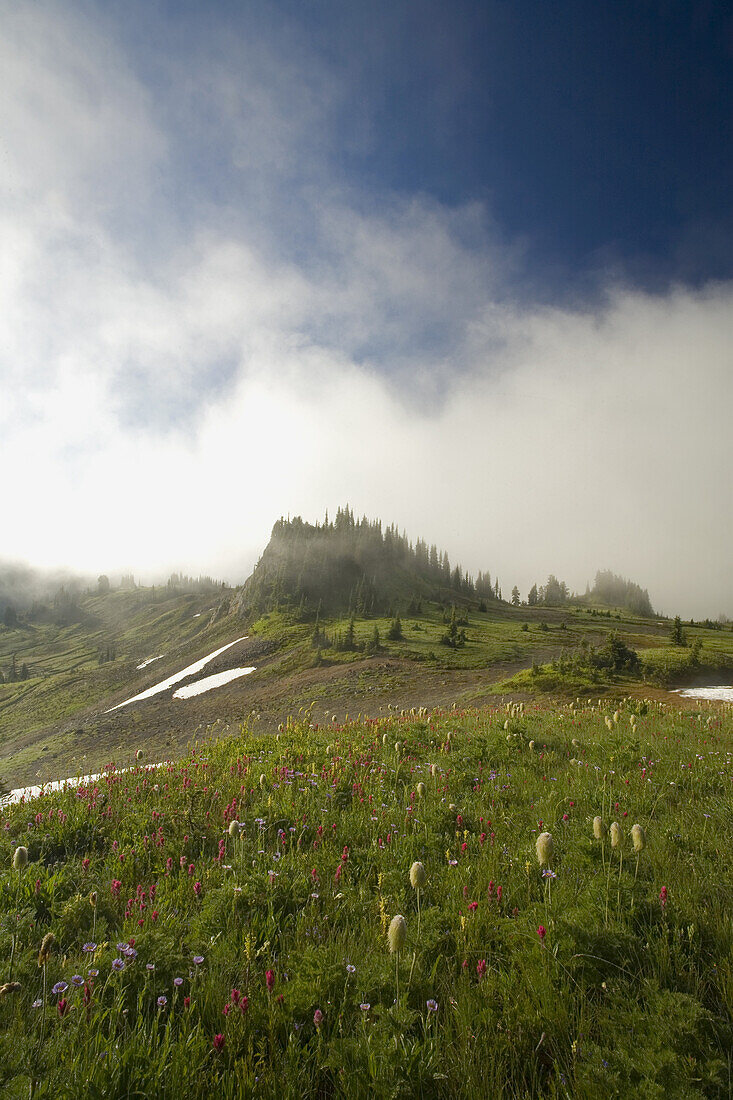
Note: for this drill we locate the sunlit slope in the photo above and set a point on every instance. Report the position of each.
(72, 667)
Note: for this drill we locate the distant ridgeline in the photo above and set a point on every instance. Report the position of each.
(354, 567)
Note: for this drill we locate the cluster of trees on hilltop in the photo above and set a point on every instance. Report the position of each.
(620, 592)
(354, 566)
(608, 589)
(553, 594)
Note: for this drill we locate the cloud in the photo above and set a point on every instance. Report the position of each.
(168, 395)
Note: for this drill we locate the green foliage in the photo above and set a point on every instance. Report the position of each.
(677, 635)
(394, 634)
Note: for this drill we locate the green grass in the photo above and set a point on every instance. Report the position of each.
(624, 995)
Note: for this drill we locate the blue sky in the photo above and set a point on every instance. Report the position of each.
(466, 266)
(597, 134)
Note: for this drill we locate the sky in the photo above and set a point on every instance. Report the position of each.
(465, 266)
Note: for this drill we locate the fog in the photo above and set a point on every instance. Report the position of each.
(168, 394)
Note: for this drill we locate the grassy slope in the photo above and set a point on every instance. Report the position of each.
(52, 724)
(624, 996)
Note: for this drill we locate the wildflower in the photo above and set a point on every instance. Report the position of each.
(198, 959)
(542, 932)
(365, 1006)
(234, 828)
(77, 980)
(617, 836)
(663, 896)
(432, 1006)
(219, 1042)
(481, 968)
(37, 1003)
(397, 933)
(118, 964)
(20, 858)
(178, 981)
(547, 873)
(270, 980)
(62, 1006)
(197, 888)
(418, 877)
(350, 969)
(318, 1017)
(139, 754)
(60, 987)
(93, 973)
(89, 947)
(46, 944)
(263, 781)
(544, 847)
(638, 837)
(600, 829)
(420, 790)
(162, 1001)
(93, 899)
(186, 1002)
(150, 966)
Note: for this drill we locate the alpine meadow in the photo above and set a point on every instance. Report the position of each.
(366, 602)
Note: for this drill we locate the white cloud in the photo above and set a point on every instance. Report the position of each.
(162, 408)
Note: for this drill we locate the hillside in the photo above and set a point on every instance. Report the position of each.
(352, 566)
(244, 898)
(338, 618)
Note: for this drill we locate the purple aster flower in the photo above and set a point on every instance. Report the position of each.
(432, 1005)
(350, 969)
(198, 959)
(178, 981)
(122, 946)
(89, 947)
(162, 1002)
(150, 966)
(38, 1003)
(365, 1006)
(130, 953)
(118, 964)
(60, 987)
(93, 973)
(77, 980)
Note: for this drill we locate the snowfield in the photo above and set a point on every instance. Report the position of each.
(177, 677)
(209, 682)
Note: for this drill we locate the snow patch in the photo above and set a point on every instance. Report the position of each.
(723, 693)
(209, 682)
(150, 661)
(178, 676)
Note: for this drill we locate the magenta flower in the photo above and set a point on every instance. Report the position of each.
(481, 968)
(542, 932)
(318, 1017)
(663, 896)
(270, 980)
(219, 1042)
